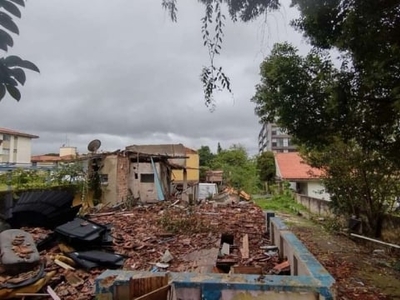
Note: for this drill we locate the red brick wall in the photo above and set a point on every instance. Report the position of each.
(122, 177)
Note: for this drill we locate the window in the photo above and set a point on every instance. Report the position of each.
(15, 151)
(274, 143)
(6, 137)
(6, 151)
(148, 178)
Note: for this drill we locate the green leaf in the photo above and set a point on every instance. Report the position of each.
(19, 2)
(14, 92)
(9, 80)
(8, 23)
(11, 8)
(5, 38)
(2, 91)
(19, 75)
(12, 61)
(16, 61)
(29, 65)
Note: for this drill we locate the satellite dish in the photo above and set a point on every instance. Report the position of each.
(94, 145)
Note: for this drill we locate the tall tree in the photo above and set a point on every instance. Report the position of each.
(302, 94)
(266, 166)
(219, 148)
(361, 183)
(12, 67)
(240, 170)
(295, 92)
(205, 156)
(366, 33)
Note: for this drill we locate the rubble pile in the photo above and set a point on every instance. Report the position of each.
(156, 238)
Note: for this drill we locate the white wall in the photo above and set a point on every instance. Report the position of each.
(18, 148)
(24, 150)
(316, 189)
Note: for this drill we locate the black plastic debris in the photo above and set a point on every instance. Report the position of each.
(106, 259)
(83, 263)
(81, 232)
(47, 209)
(47, 242)
(97, 258)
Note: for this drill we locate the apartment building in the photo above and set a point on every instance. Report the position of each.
(275, 139)
(15, 146)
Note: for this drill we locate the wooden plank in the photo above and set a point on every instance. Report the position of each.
(52, 293)
(245, 249)
(63, 265)
(158, 294)
(32, 295)
(143, 286)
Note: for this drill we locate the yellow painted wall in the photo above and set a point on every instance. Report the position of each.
(192, 163)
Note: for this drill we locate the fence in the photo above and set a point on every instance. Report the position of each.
(314, 205)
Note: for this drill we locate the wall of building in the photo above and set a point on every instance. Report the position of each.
(22, 145)
(273, 138)
(192, 164)
(109, 186)
(122, 178)
(316, 189)
(66, 151)
(145, 191)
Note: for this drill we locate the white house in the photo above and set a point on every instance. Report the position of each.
(15, 146)
(303, 178)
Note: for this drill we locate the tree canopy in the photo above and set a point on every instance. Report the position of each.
(266, 166)
(12, 73)
(346, 118)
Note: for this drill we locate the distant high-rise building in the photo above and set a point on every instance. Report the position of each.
(275, 139)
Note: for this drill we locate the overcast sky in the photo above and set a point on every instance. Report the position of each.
(122, 72)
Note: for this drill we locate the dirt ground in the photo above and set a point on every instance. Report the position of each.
(359, 272)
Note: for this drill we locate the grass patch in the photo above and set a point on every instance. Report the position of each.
(280, 203)
(3, 187)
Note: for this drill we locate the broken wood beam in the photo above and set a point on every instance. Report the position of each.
(32, 295)
(245, 249)
(52, 293)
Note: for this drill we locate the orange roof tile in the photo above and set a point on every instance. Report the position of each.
(292, 166)
(17, 133)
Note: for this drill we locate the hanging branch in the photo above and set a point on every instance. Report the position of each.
(212, 76)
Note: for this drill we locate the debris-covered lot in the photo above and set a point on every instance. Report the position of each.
(359, 271)
(158, 237)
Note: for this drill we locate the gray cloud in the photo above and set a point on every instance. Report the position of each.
(122, 72)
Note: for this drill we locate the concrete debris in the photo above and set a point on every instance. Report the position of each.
(230, 195)
(167, 257)
(225, 249)
(162, 266)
